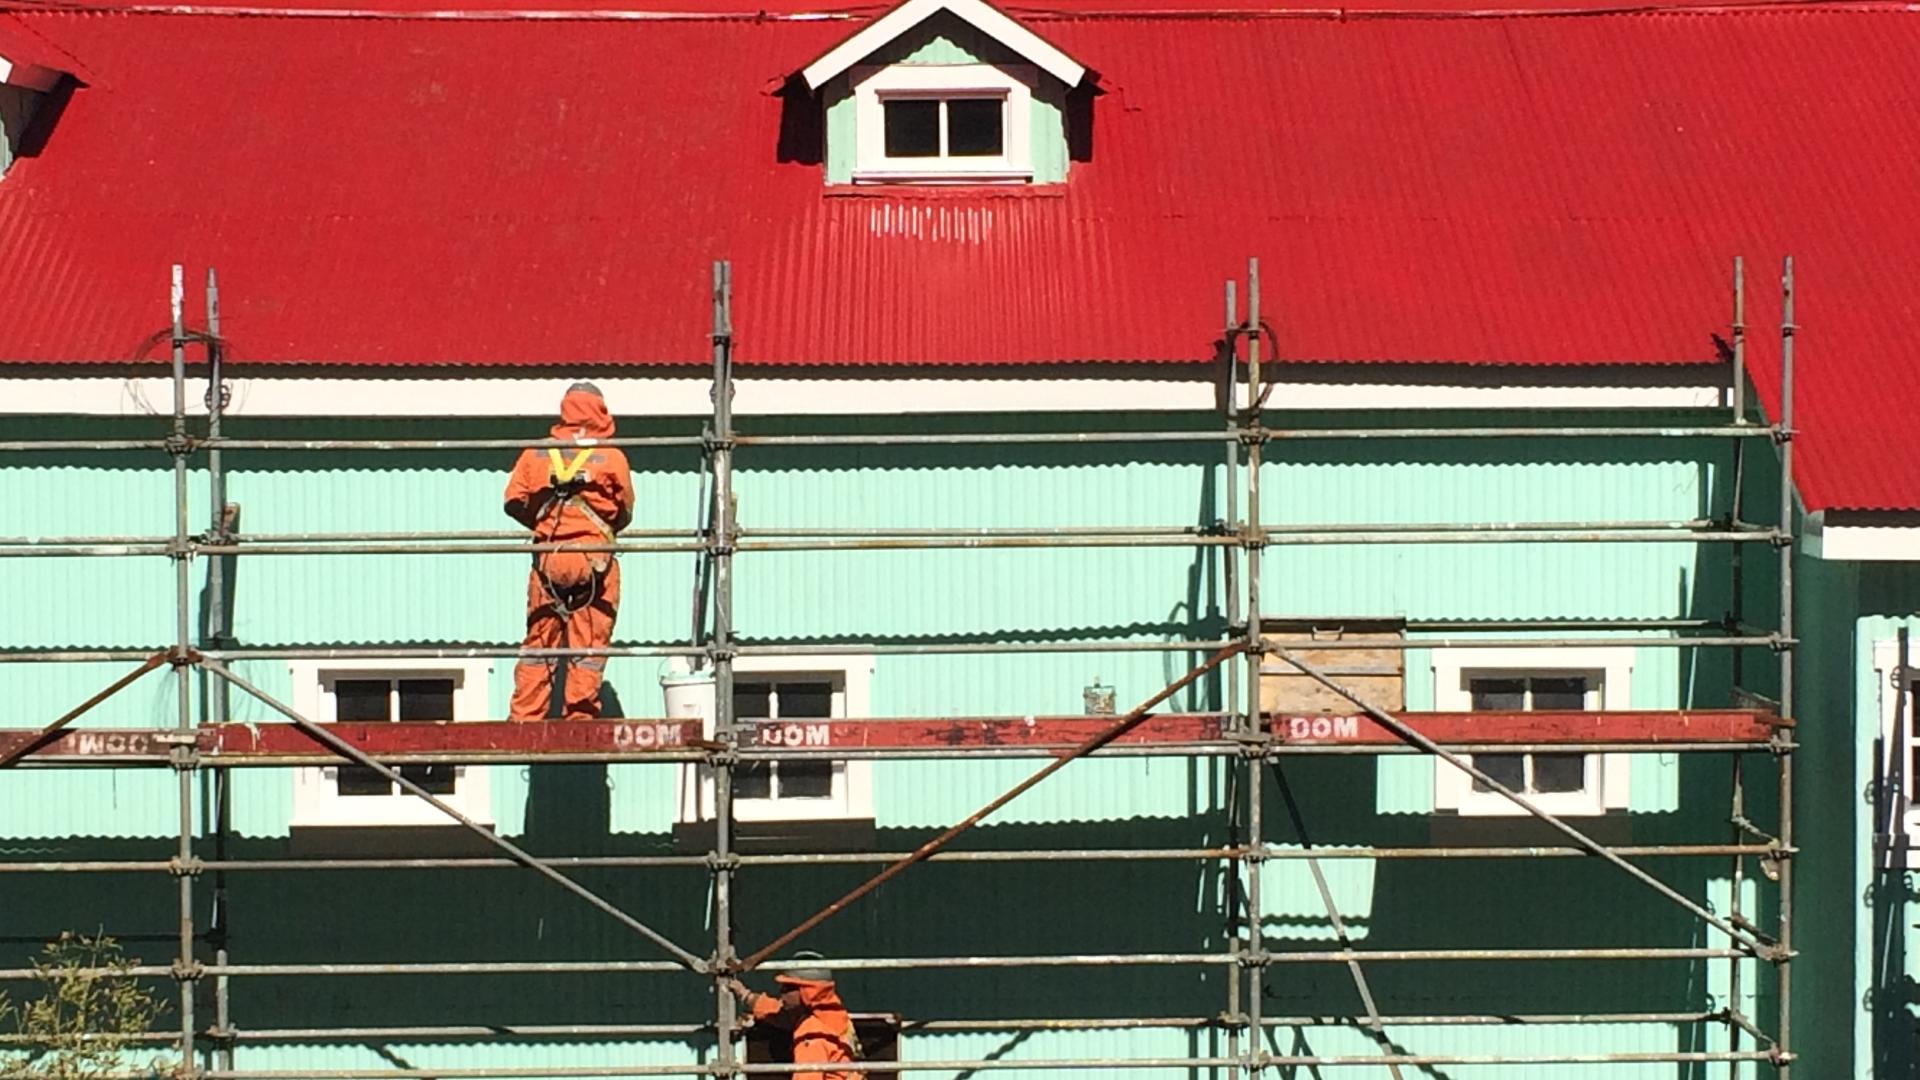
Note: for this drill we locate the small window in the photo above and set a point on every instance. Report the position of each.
(1897, 795)
(879, 1035)
(958, 127)
(769, 705)
(1533, 680)
(943, 123)
(392, 691)
(1532, 774)
(790, 702)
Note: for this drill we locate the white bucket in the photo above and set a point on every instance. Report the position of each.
(690, 697)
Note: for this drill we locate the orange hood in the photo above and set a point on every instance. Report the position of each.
(813, 994)
(583, 415)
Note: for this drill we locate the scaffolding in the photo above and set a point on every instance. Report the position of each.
(1250, 739)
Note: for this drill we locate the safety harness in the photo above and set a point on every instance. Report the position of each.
(563, 479)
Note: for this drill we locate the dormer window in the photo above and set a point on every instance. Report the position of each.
(964, 123)
(945, 92)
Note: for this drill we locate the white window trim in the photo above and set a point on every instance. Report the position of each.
(982, 16)
(872, 86)
(317, 802)
(1886, 658)
(852, 797)
(1453, 789)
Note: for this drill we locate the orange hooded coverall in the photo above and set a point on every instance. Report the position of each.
(567, 495)
(822, 1030)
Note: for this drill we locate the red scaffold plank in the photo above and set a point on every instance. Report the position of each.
(640, 739)
(1651, 728)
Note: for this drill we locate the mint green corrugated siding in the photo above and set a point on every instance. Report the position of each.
(916, 595)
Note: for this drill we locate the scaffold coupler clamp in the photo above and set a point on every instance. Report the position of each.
(716, 861)
(711, 440)
(178, 444)
(186, 866)
(188, 971)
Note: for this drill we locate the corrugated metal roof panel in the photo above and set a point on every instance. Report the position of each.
(1519, 190)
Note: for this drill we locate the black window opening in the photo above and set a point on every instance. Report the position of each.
(1531, 774)
(951, 127)
(781, 702)
(380, 701)
(879, 1035)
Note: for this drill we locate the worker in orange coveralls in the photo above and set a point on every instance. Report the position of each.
(568, 496)
(809, 1006)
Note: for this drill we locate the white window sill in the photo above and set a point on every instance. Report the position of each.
(943, 176)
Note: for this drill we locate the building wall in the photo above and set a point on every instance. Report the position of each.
(943, 909)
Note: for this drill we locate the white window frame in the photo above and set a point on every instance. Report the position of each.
(317, 802)
(1886, 659)
(852, 792)
(1607, 789)
(873, 86)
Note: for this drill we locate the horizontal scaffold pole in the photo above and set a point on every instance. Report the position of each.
(1404, 731)
(1111, 732)
(360, 757)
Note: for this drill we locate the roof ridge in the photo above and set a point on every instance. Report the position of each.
(856, 12)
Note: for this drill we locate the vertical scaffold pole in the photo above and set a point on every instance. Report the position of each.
(1230, 555)
(215, 689)
(185, 969)
(1254, 761)
(1788, 331)
(1736, 615)
(1230, 673)
(720, 655)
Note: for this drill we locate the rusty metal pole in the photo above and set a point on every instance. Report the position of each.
(1230, 699)
(720, 549)
(1253, 536)
(1783, 955)
(215, 689)
(184, 757)
(1111, 732)
(334, 743)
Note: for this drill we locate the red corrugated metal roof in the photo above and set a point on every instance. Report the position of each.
(1518, 190)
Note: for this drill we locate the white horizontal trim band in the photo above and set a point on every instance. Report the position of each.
(256, 395)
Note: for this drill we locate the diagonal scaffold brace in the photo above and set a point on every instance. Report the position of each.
(1094, 742)
(1376, 1028)
(1399, 727)
(360, 757)
(45, 735)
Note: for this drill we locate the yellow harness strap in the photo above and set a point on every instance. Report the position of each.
(564, 470)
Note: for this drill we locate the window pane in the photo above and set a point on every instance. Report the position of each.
(1498, 695)
(753, 780)
(437, 779)
(426, 699)
(1509, 769)
(1559, 772)
(973, 127)
(752, 701)
(806, 779)
(1566, 694)
(361, 700)
(912, 127)
(806, 700)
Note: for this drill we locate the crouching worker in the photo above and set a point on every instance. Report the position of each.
(570, 496)
(809, 1006)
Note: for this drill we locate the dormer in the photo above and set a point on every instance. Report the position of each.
(945, 92)
(30, 74)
